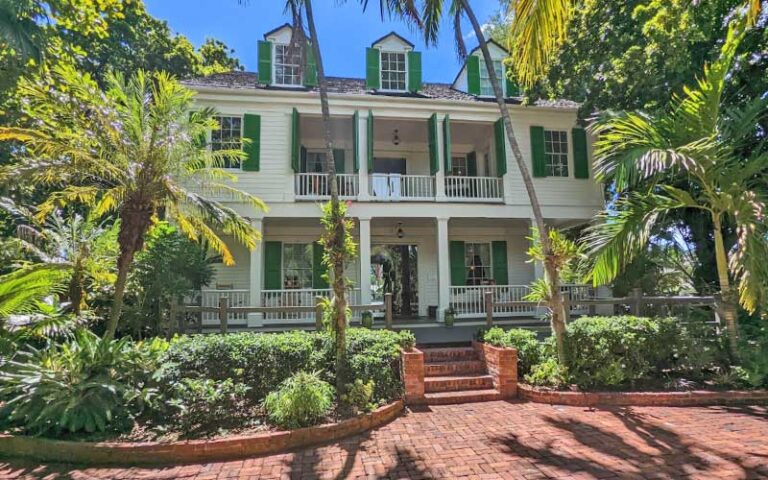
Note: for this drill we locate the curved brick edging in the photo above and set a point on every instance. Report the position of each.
(191, 451)
(694, 398)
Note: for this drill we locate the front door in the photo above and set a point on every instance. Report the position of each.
(394, 270)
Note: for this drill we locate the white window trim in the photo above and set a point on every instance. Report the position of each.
(209, 138)
(381, 72)
(283, 268)
(501, 80)
(300, 85)
(569, 156)
(490, 258)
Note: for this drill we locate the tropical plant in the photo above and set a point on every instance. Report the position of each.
(205, 405)
(21, 291)
(132, 150)
(301, 401)
(644, 156)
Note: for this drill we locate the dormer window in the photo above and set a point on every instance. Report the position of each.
(486, 87)
(393, 71)
(287, 65)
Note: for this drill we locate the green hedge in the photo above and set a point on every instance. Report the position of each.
(263, 361)
(529, 350)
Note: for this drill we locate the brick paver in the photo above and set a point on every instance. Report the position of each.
(503, 440)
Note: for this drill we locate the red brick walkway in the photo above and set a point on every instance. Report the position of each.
(500, 440)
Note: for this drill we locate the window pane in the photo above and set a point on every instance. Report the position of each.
(556, 152)
(287, 65)
(297, 265)
(393, 71)
(477, 260)
(486, 88)
(227, 137)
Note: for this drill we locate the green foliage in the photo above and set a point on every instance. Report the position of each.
(529, 350)
(302, 400)
(85, 385)
(23, 290)
(205, 405)
(358, 396)
(549, 373)
(374, 356)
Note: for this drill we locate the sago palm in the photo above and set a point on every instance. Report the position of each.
(133, 151)
(699, 141)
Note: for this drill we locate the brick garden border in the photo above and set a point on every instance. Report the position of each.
(191, 451)
(694, 398)
(501, 363)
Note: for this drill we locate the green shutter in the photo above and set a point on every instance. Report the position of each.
(252, 131)
(500, 138)
(273, 262)
(356, 141)
(318, 269)
(414, 71)
(265, 62)
(369, 139)
(434, 160)
(499, 259)
(580, 157)
(295, 140)
(372, 76)
(513, 90)
(537, 152)
(473, 75)
(338, 159)
(472, 164)
(458, 270)
(310, 73)
(447, 144)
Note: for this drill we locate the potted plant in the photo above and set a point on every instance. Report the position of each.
(449, 316)
(367, 319)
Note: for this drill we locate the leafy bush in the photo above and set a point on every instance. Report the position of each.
(529, 349)
(301, 401)
(207, 405)
(549, 373)
(359, 395)
(85, 385)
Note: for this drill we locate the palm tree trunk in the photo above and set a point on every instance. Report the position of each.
(337, 224)
(552, 274)
(729, 307)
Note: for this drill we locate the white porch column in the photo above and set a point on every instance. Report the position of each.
(441, 173)
(365, 260)
(443, 268)
(362, 155)
(538, 267)
(256, 276)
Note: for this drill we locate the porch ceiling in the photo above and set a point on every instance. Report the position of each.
(312, 128)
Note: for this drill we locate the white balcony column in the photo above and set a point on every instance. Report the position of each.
(365, 260)
(443, 268)
(362, 155)
(256, 277)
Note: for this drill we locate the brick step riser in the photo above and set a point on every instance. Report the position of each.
(450, 356)
(488, 396)
(480, 383)
(457, 368)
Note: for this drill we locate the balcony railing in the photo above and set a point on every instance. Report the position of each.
(395, 187)
(236, 298)
(315, 186)
(468, 301)
(474, 189)
(304, 297)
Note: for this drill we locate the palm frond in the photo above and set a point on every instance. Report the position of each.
(21, 290)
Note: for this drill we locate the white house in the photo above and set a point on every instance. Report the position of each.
(440, 210)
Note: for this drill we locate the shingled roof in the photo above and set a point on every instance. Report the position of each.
(356, 86)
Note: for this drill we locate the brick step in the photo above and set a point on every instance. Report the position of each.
(464, 396)
(453, 368)
(454, 383)
(434, 355)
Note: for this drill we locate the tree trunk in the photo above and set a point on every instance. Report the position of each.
(729, 307)
(337, 224)
(556, 298)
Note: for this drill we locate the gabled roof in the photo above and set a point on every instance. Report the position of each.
(275, 30)
(356, 86)
(489, 42)
(396, 35)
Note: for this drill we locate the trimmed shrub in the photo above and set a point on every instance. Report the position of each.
(549, 373)
(204, 405)
(529, 349)
(301, 401)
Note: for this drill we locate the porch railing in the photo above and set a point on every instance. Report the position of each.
(469, 301)
(394, 187)
(315, 186)
(236, 298)
(474, 189)
(304, 297)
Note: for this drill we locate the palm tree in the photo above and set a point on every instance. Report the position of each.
(700, 141)
(133, 150)
(429, 22)
(18, 28)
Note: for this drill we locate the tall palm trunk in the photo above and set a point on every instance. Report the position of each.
(339, 317)
(552, 276)
(729, 302)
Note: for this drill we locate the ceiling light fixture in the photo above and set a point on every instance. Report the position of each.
(396, 137)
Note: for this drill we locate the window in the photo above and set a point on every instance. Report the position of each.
(477, 261)
(228, 137)
(287, 65)
(297, 265)
(393, 71)
(556, 153)
(459, 166)
(315, 163)
(486, 88)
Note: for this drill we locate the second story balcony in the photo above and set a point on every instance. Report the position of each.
(401, 160)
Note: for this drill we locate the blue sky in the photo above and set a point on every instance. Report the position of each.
(344, 31)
